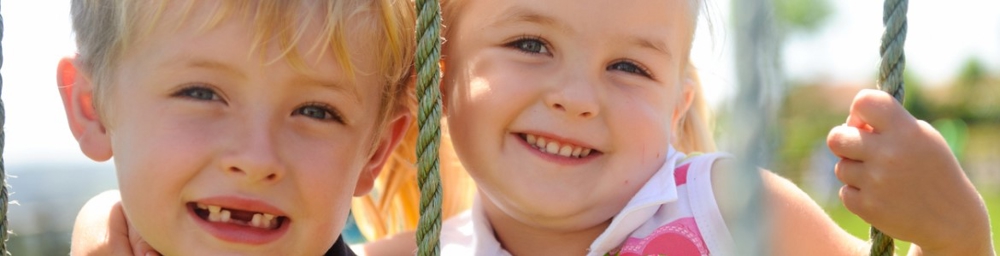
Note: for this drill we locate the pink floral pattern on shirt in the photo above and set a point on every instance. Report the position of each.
(678, 238)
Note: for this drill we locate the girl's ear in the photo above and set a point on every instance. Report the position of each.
(77, 94)
(688, 88)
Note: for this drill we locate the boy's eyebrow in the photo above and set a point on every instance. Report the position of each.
(215, 65)
(351, 91)
(209, 64)
(516, 14)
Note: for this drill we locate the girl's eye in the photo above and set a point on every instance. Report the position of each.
(320, 112)
(530, 45)
(630, 67)
(198, 93)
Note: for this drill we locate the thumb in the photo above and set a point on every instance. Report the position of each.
(139, 245)
(878, 111)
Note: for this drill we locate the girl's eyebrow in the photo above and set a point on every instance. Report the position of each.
(655, 45)
(516, 14)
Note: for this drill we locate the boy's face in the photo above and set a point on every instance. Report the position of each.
(564, 109)
(220, 150)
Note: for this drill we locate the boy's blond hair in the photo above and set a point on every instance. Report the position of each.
(106, 29)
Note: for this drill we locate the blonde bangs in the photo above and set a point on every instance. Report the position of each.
(106, 28)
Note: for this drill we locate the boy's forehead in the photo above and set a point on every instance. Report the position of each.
(314, 45)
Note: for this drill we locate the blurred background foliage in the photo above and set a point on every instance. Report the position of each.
(965, 110)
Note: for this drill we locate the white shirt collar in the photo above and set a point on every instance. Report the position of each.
(658, 190)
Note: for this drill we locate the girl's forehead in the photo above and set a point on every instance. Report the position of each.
(660, 17)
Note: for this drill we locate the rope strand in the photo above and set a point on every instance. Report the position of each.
(3, 173)
(890, 80)
(429, 122)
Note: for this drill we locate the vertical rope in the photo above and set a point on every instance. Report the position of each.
(890, 79)
(3, 173)
(429, 122)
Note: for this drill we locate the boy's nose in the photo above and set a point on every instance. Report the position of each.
(576, 98)
(254, 158)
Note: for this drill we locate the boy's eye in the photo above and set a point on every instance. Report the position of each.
(630, 67)
(530, 45)
(198, 93)
(320, 112)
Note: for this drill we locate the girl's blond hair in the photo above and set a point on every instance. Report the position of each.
(694, 130)
(393, 206)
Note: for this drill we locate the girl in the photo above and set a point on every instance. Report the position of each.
(574, 118)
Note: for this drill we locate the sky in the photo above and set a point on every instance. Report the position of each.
(942, 34)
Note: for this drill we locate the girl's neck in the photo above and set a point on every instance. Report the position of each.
(520, 238)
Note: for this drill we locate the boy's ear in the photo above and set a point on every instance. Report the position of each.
(393, 135)
(77, 95)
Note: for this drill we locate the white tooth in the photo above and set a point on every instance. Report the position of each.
(540, 143)
(586, 152)
(202, 206)
(269, 221)
(566, 150)
(576, 151)
(214, 216)
(225, 215)
(531, 139)
(214, 209)
(256, 220)
(552, 148)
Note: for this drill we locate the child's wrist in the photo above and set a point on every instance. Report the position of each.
(971, 247)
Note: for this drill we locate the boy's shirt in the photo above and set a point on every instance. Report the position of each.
(340, 248)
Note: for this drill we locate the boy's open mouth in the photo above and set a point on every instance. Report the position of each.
(213, 213)
(554, 147)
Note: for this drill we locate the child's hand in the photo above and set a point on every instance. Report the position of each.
(102, 229)
(902, 178)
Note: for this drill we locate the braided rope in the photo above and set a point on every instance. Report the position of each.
(3, 173)
(429, 122)
(890, 79)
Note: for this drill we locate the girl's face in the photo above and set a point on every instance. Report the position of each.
(562, 109)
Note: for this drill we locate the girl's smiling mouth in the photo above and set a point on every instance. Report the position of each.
(557, 147)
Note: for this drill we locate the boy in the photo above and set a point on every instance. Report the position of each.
(239, 126)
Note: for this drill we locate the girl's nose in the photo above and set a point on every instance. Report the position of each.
(576, 98)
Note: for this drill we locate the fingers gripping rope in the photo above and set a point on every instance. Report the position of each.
(890, 79)
(429, 122)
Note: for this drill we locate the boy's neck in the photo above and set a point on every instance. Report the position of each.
(520, 238)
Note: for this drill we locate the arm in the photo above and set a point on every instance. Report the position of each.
(102, 229)
(901, 177)
(797, 225)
